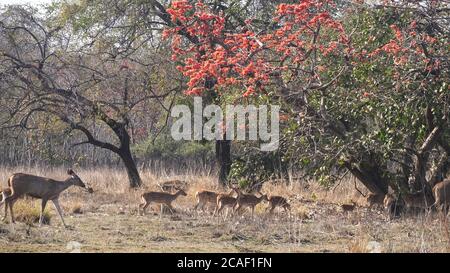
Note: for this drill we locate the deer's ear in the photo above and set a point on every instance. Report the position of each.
(70, 172)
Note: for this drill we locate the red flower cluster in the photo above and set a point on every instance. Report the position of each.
(245, 59)
(407, 47)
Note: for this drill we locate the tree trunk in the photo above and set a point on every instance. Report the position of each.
(223, 156)
(441, 169)
(419, 181)
(130, 165)
(370, 176)
(125, 154)
(408, 162)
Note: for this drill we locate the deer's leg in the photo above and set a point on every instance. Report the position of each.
(200, 205)
(172, 210)
(11, 205)
(9, 202)
(58, 208)
(440, 207)
(220, 208)
(215, 206)
(43, 204)
(6, 200)
(216, 210)
(231, 211)
(236, 207)
(445, 208)
(272, 207)
(228, 211)
(142, 207)
(6, 209)
(145, 207)
(2, 196)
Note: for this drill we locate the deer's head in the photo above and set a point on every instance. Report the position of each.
(75, 180)
(181, 192)
(264, 197)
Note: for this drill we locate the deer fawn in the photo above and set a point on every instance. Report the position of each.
(39, 187)
(225, 200)
(278, 201)
(169, 186)
(159, 198)
(417, 201)
(441, 192)
(204, 197)
(248, 200)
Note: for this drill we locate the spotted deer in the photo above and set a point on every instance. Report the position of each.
(417, 201)
(173, 185)
(441, 193)
(248, 201)
(163, 198)
(205, 197)
(225, 200)
(278, 201)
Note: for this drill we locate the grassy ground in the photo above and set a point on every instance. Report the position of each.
(107, 221)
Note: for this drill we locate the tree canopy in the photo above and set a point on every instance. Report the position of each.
(363, 85)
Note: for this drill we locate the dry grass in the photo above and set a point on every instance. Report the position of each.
(107, 221)
(29, 211)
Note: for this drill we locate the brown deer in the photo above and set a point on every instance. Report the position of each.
(204, 197)
(172, 185)
(39, 187)
(163, 198)
(248, 200)
(349, 207)
(417, 201)
(441, 192)
(225, 200)
(278, 201)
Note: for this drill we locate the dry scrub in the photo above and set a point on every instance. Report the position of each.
(108, 221)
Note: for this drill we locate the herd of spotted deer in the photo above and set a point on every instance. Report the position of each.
(47, 189)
